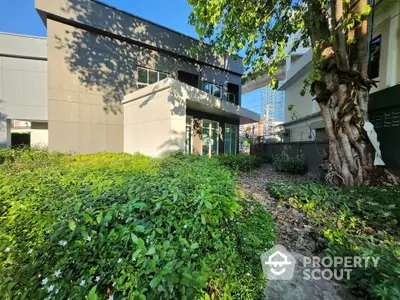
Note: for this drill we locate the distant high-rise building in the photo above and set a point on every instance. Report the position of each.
(272, 105)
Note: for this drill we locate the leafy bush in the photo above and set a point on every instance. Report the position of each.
(265, 157)
(127, 227)
(239, 162)
(355, 221)
(287, 164)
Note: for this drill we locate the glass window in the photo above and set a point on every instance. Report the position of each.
(231, 97)
(213, 89)
(142, 76)
(230, 139)
(146, 77)
(375, 55)
(153, 77)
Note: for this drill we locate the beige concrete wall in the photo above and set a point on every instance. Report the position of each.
(151, 126)
(88, 76)
(302, 104)
(111, 20)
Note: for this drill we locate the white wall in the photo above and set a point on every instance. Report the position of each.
(23, 81)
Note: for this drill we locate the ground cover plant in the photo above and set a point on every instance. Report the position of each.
(287, 164)
(120, 226)
(240, 162)
(355, 221)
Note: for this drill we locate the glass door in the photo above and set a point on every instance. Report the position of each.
(188, 135)
(230, 139)
(210, 138)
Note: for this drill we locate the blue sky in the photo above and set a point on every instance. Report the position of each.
(20, 16)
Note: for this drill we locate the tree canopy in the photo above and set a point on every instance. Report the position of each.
(269, 30)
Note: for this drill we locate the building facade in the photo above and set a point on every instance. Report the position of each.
(96, 55)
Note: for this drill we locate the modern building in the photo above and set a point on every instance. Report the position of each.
(23, 88)
(116, 82)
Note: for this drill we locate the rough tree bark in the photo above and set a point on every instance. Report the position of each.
(342, 94)
(343, 99)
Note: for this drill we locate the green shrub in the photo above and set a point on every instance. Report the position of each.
(265, 157)
(127, 226)
(355, 221)
(287, 164)
(239, 162)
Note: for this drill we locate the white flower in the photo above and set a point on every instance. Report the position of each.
(7, 250)
(44, 281)
(111, 297)
(185, 226)
(134, 259)
(82, 283)
(30, 251)
(97, 278)
(120, 260)
(63, 243)
(248, 274)
(113, 284)
(57, 273)
(56, 292)
(50, 288)
(184, 249)
(220, 269)
(88, 238)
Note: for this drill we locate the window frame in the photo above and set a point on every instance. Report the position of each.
(213, 85)
(376, 40)
(236, 128)
(142, 84)
(234, 97)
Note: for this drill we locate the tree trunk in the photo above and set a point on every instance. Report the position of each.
(344, 111)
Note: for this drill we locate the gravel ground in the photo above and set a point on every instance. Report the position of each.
(293, 228)
(295, 232)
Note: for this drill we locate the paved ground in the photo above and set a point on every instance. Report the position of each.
(295, 232)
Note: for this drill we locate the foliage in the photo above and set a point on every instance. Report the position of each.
(287, 164)
(357, 221)
(239, 162)
(124, 226)
(265, 157)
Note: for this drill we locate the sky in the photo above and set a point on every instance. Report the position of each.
(20, 16)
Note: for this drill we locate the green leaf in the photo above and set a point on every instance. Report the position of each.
(140, 205)
(134, 238)
(154, 282)
(72, 225)
(92, 294)
(194, 246)
(99, 217)
(151, 251)
(208, 204)
(142, 297)
(140, 228)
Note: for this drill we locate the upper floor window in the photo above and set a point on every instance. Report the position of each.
(375, 55)
(231, 97)
(213, 89)
(147, 76)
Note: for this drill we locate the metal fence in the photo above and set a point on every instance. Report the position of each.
(311, 152)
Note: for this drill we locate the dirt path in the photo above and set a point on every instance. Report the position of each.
(295, 232)
(293, 228)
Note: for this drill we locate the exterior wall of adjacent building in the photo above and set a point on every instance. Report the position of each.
(94, 52)
(23, 81)
(387, 24)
